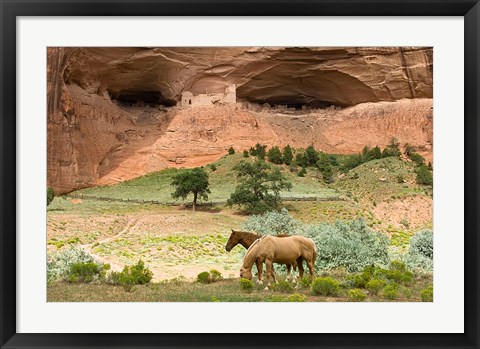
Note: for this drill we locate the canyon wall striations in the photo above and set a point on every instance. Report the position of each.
(117, 113)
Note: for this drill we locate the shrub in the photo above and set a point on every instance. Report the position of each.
(398, 265)
(424, 176)
(245, 154)
(231, 151)
(359, 280)
(272, 222)
(427, 294)
(305, 282)
(375, 285)
(296, 298)
(215, 275)
(351, 161)
(390, 291)
(85, 272)
(409, 149)
(287, 155)
(282, 286)
(59, 264)
(352, 245)
(136, 274)
(275, 155)
(259, 151)
(50, 195)
(356, 295)
(213, 167)
(203, 277)
(325, 286)
(400, 179)
(246, 285)
(417, 159)
(422, 244)
(392, 149)
(302, 172)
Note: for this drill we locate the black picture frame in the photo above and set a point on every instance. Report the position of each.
(9, 9)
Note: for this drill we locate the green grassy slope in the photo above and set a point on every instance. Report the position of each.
(156, 186)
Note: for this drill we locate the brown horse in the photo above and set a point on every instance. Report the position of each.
(285, 250)
(246, 239)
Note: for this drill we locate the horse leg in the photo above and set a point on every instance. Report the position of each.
(289, 267)
(300, 267)
(310, 267)
(260, 271)
(294, 274)
(269, 265)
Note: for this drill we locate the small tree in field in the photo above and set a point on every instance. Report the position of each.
(259, 187)
(194, 181)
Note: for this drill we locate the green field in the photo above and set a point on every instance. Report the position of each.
(156, 186)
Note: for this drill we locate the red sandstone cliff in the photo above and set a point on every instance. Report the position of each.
(113, 112)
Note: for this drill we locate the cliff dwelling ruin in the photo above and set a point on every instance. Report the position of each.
(207, 99)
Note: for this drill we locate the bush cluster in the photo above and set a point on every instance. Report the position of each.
(352, 245)
(130, 276)
(209, 277)
(87, 272)
(375, 279)
(420, 253)
(325, 286)
(282, 286)
(246, 285)
(356, 295)
(59, 265)
(272, 223)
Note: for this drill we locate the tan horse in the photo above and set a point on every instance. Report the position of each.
(246, 239)
(285, 250)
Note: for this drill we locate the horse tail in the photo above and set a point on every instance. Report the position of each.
(314, 250)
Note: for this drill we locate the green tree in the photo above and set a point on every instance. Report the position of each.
(287, 155)
(194, 181)
(245, 154)
(375, 153)
(417, 159)
(392, 149)
(259, 187)
(311, 156)
(50, 195)
(409, 149)
(300, 159)
(351, 161)
(231, 151)
(275, 155)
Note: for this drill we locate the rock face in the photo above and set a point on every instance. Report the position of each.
(116, 113)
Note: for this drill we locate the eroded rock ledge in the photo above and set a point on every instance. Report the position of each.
(115, 113)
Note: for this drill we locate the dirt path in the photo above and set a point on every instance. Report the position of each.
(113, 265)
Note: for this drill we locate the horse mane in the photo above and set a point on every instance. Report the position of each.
(246, 232)
(253, 244)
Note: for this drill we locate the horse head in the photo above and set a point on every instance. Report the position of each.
(246, 273)
(232, 241)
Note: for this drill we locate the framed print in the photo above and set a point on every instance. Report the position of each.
(295, 174)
